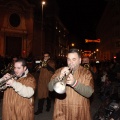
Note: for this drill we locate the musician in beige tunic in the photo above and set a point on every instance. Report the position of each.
(46, 73)
(18, 100)
(74, 103)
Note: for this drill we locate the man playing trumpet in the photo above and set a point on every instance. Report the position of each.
(46, 71)
(74, 103)
(18, 101)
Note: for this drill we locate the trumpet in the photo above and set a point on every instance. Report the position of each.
(44, 63)
(41, 64)
(3, 82)
(87, 66)
(60, 85)
(7, 69)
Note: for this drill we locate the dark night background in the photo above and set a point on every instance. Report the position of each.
(81, 18)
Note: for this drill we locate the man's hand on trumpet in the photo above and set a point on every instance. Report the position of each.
(64, 71)
(70, 80)
(10, 81)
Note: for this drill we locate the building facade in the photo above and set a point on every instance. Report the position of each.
(16, 28)
(108, 31)
(50, 34)
(26, 29)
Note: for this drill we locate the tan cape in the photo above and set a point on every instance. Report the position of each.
(16, 107)
(44, 79)
(72, 105)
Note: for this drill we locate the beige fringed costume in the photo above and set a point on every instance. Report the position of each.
(44, 79)
(18, 101)
(74, 105)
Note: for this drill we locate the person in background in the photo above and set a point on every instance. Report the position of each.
(10, 67)
(74, 104)
(18, 99)
(90, 66)
(85, 62)
(46, 71)
(14, 59)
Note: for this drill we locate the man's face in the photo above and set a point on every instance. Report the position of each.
(85, 60)
(19, 69)
(14, 60)
(73, 60)
(46, 57)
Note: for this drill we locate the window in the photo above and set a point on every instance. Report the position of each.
(14, 20)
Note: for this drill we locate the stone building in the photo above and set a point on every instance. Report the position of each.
(16, 27)
(27, 29)
(108, 31)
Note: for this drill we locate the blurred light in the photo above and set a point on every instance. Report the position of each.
(24, 51)
(43, 2)
(97, 61)
(73, 44)
(97, 50)
(88, 40)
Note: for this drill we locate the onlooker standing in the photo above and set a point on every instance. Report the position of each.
(10, 67)
(18, 100)
(90, 66)
(85, 62)
(74, 104)
(46, 71)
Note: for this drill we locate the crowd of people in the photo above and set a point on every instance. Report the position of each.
(77, 75)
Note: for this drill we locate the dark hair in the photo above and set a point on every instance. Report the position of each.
(74, 50)
(23, 61)
(47, 53)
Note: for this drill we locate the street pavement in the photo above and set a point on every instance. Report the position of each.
(45, 115)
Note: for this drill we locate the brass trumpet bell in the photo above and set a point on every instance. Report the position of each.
(44, 63)
(60, 87)
(87, 66)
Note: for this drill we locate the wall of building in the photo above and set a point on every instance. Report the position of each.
(109, 31)
(16, 21)
(37, 36)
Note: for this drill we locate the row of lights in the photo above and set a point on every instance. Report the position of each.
(60, 31)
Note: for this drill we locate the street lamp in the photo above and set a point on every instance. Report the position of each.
(43, 3)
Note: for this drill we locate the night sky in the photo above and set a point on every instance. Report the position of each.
(81, 17)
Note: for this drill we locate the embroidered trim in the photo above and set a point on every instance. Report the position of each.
(75, 83)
